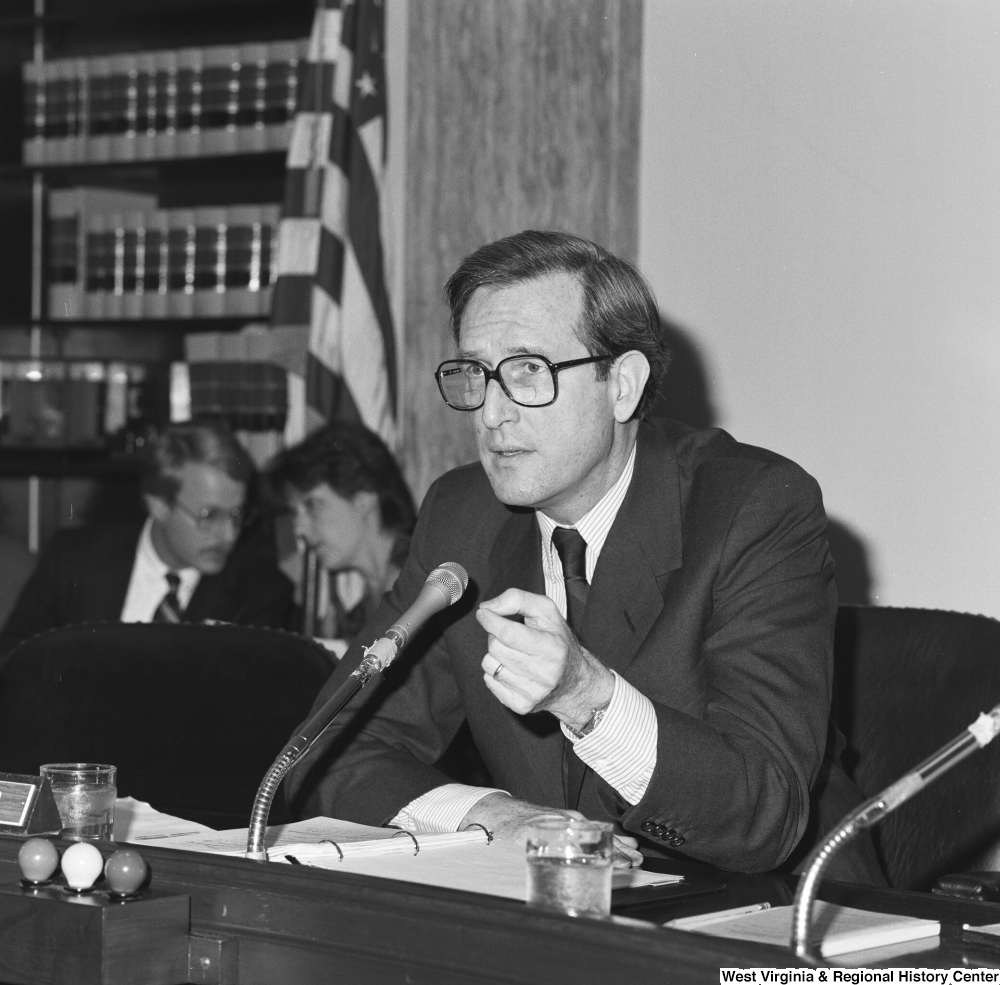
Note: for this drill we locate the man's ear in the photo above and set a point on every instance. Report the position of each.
(157, 508)
(630, 373)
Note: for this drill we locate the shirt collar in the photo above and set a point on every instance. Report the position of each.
(596, 523)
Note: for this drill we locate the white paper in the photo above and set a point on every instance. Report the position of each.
(233, 841)
(135, 820)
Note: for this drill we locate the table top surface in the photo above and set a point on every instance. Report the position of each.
(301, 924)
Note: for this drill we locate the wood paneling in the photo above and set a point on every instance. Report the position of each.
(521, 114)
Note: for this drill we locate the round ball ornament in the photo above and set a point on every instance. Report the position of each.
(125, 871)
(81, 865)
(38, 859)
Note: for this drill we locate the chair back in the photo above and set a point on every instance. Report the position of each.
(192, 715)
(907, 681)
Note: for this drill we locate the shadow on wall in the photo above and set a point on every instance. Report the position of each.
(685, 396)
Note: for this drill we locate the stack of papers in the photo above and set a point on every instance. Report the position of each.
(465, 860)
(836, 929)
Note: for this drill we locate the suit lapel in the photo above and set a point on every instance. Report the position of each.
(516, 562)
(644, 545)
(516, 557)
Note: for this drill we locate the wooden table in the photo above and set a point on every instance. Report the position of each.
(270, 924)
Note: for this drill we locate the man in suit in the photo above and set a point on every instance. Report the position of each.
(186, 561)
(647, 633)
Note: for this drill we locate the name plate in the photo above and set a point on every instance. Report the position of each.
(27, 806)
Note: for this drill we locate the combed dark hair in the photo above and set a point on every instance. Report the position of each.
(204, 442)
(619, 310)
(349, 459)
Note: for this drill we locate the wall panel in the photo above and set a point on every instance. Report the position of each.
(521, 114)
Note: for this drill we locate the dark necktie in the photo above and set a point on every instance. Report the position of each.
(572, 551)
(169, 609)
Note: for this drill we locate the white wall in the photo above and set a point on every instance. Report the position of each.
(820, 213)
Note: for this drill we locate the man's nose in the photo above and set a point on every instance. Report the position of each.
(498, 408)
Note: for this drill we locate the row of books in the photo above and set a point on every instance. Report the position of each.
(115, 255)
(79, 403)
(188, 102)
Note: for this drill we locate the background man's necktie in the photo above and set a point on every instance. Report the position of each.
(572, 551)
(169, 609)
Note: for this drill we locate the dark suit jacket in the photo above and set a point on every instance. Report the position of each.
(84, 573)
(713, 595)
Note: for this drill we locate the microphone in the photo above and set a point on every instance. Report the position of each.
(444, 586)
(980, 733)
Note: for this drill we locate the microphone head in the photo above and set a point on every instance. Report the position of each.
(451, 578)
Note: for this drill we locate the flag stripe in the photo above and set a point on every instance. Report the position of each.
(293, 298)
(331, 257)
(331, 397)
(366, 241)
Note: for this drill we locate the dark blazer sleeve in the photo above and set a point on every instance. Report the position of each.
(742, 742)
(57, 592)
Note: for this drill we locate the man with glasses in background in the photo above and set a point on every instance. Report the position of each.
(188, 560)
(647, 633)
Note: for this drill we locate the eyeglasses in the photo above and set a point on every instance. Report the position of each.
(213, 519)
(531, 381)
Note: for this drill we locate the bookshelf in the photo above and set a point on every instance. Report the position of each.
(142, 164)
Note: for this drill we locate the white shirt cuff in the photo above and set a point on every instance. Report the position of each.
(441, 809)
(622, 749)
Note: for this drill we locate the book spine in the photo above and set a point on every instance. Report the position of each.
(219, 105)
(134, 264)
(58, 111)
(281, 92)
(81, 144)
(115, 277)
(65, 254)
(210, 262)
(251, 101)
(99, 130)
(124, 107)
(180, 263)
(189, 102)
(165, 142)
(97, 265)
(156, 273)
(239, 258)
(33, 77)
(63, 265)
(74, 111)
(145, 106)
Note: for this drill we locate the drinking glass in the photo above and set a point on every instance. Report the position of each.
(85, 798)
(569, 866)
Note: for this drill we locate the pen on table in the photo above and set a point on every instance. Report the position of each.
(718, 916)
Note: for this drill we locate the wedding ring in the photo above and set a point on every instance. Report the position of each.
(496, 673)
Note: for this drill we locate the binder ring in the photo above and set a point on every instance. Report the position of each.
(416, 844)
(327, 841)
(486, 830)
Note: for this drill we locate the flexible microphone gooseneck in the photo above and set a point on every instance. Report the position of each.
(981, 732)
(444, 586)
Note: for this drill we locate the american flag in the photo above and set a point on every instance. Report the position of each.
(331, 286)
